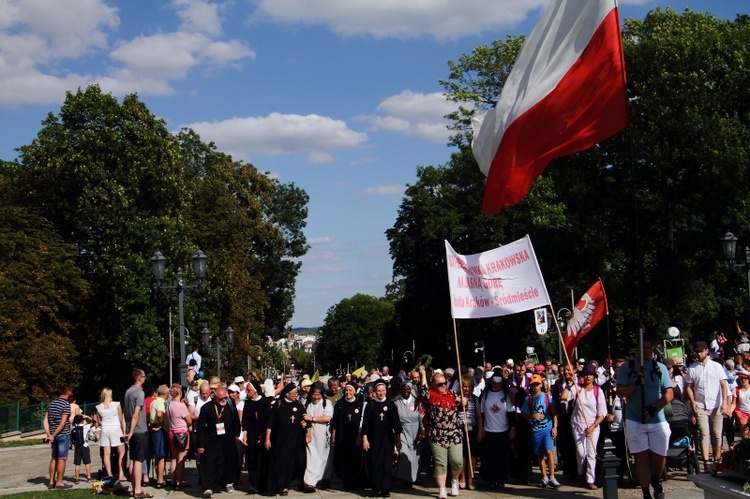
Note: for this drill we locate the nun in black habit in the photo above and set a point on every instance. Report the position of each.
(285, 439)
(381, 428)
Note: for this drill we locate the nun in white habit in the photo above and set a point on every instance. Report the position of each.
(318, 415)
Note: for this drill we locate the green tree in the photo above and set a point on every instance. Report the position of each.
(251, 225)
(41, 294)
(353, 330)
(107, 176)
(117, 185)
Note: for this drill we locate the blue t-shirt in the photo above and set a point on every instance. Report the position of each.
(540, 403)
(655, 383)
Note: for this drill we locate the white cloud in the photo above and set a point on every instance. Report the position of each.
(36, 36)
(319, 240)
(440, 19)
(198, 16)
(384, 190)
(280, 134)
(414, 114)
(172, 55)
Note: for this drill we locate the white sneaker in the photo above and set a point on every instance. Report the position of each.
(454, 487)
(208, 493)
(553, 482)
(229, 488)
(443, 493)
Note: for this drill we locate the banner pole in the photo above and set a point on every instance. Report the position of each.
(461, 392)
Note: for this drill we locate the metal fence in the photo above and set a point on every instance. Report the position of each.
(26, 418)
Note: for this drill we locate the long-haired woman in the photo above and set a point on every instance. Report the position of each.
(112, 422)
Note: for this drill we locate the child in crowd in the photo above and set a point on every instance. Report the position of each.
(81, 446)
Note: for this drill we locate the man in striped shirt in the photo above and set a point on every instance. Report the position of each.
(57, 429)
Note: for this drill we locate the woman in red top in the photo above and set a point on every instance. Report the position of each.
(444, 431)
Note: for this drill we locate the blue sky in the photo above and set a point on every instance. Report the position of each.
(340, 97)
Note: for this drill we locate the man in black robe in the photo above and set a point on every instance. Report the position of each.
(217, 430)
(285, 439)
(380, 439)
(348, 461)
(254, 420)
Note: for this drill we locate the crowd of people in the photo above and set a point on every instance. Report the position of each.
(379, 431)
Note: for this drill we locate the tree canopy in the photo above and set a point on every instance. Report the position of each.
(353, 331)
(113, 185)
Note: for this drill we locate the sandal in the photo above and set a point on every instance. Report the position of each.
(471, 486)
(160, 485)
(142, 495)
(462, 485)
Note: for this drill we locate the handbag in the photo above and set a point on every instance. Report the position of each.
(181, 440)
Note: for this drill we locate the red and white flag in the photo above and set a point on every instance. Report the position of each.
(589, 310)
(565, 93)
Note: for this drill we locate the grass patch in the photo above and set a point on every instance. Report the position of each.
(66, 494)
(20, 443)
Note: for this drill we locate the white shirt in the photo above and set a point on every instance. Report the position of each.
(198, 360)
(705, 378)
(495, 407)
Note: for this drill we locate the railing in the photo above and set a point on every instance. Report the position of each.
(26, 418)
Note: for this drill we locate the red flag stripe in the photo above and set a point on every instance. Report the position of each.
(588, 105)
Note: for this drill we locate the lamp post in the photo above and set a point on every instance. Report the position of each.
(182, 290)
(255, 352)
(563, 315)
(729, 245)
(219, 347)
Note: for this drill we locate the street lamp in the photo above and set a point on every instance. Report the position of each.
(729, 245)
(255, 352)
(182, 290)
(219, 347)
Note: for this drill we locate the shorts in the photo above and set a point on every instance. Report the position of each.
(445, 455)
(82, 454)
(60, 447)
(541, 442)
(653, 436)
(110, 436)
(158, 443)
(140, 446)
(710, 423)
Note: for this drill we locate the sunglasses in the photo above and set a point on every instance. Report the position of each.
(441, 384)
(220, 399)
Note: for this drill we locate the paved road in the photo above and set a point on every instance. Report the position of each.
(25, 469)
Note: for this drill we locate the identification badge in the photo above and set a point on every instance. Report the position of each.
(220, 429)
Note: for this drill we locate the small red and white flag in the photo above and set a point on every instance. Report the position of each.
(587, 313)
(565, 93)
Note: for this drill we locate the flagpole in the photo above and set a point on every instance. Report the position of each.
(461, 392)
(559, 333)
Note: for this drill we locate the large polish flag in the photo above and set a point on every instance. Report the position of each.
(565, 93)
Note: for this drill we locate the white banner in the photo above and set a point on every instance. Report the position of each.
(503, 281)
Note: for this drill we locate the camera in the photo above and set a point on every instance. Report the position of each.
(123, 439)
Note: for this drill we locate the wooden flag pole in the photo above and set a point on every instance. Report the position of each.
(461, 392)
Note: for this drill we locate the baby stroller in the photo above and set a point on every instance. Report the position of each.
(681, 452)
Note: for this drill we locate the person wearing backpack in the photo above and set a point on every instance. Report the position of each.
(646, 392)
(542, 417)
(81, 447)
(589, 410)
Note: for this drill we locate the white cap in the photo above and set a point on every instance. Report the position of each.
(239, 379)
(233, 388)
